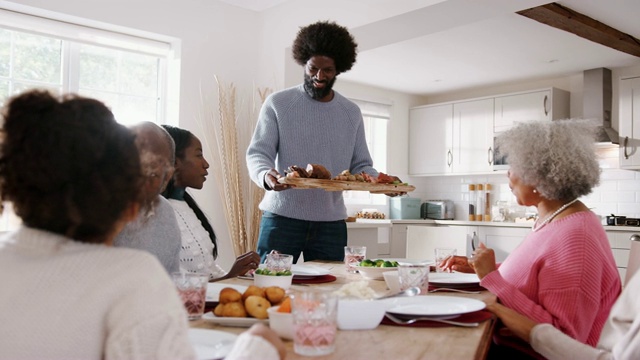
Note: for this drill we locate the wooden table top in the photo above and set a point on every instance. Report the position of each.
(389, 342)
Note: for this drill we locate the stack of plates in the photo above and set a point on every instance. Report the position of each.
(453, 280)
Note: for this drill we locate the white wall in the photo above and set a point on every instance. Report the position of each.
(217, 39)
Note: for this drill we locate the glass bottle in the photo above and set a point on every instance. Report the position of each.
(487, 202)
(479, 202)
(472, 202)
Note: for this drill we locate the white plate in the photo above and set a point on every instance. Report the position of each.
(454, 278)
(233, 321)
(436, 306)
(302, 270)
(213, 290)
(211, 344)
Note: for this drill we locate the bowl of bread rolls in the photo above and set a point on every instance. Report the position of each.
(254, 302)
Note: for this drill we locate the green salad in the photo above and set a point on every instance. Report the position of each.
(378, 263)
(273, 273)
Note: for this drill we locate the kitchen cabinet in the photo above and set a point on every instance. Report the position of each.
(423, 240)
(620, 242)
(452, 138)
(430, 139)
(503, 240)
(629, 123)
(539, 105)
(375, 236)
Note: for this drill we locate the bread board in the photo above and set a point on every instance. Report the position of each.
(342, 185)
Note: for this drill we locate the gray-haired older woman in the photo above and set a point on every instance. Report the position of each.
(563, 273)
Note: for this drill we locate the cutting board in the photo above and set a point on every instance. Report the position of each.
(342, 185)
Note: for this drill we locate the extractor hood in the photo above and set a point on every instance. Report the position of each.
(596, 103)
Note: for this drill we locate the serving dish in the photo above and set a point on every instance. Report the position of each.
(232, 321)
(373, 272)
(342, 185)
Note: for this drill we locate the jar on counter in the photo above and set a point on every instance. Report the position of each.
(479, 202)
(472, 202)
(487, 202)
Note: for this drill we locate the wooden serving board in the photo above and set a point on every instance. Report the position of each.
(341, 185)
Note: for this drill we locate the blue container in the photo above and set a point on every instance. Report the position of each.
(404, 207)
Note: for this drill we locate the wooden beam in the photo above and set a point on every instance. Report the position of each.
(563, 18)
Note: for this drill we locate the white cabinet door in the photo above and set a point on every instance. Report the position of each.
(542, 105)
(629, 128)
(503, 240)
(430, 140)
(473, 136)
(422, 240)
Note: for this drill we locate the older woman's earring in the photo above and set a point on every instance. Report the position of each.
(535, 191)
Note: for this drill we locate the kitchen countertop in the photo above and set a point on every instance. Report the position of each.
(370, 223)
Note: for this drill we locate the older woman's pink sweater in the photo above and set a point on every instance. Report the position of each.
(563, 274)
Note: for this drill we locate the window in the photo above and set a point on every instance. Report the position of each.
(130, 71)
(376, 118)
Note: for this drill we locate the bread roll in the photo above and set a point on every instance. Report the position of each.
(257, 306)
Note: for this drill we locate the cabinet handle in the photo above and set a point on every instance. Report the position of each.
(635, 237)
(490, 154)
(544, 103)
(449, 158)
(626, 141)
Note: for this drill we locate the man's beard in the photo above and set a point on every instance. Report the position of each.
(318, 93)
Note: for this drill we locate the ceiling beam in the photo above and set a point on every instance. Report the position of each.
(563, 18)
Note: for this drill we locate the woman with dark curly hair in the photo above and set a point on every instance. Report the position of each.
(309, 124)
(563, 273)
(73, 175)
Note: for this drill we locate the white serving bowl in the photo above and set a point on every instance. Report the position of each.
(360, 314)
(281, 322)
(283, 281)
(373, 273)
(392, 280)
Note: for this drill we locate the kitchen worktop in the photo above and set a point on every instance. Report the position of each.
(372, 223)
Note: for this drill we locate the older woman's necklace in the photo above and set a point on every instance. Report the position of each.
(550, 217)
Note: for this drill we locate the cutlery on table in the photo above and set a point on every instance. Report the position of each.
(454, 290)
(411, 321)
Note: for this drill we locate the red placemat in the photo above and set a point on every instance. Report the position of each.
(476, 316)
(315, 280)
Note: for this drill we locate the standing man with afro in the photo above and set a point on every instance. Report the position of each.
(309, 124)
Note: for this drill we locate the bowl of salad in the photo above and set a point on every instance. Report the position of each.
(265, 278)
(372, 269)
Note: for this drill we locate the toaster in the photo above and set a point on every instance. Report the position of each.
(437, 209)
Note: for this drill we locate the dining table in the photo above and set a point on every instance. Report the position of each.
(388, 341)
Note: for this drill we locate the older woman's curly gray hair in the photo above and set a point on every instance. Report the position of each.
(556, 157)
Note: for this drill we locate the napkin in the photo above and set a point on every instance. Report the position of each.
(476, 316)
(314, 280)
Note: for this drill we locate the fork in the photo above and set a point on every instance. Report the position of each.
(454, 290)
(411, 321)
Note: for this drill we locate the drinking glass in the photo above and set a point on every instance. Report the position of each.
(442, 254)
(277, 262)
(410, 275)
(193, 290)
(314, 322)
(352, 257)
